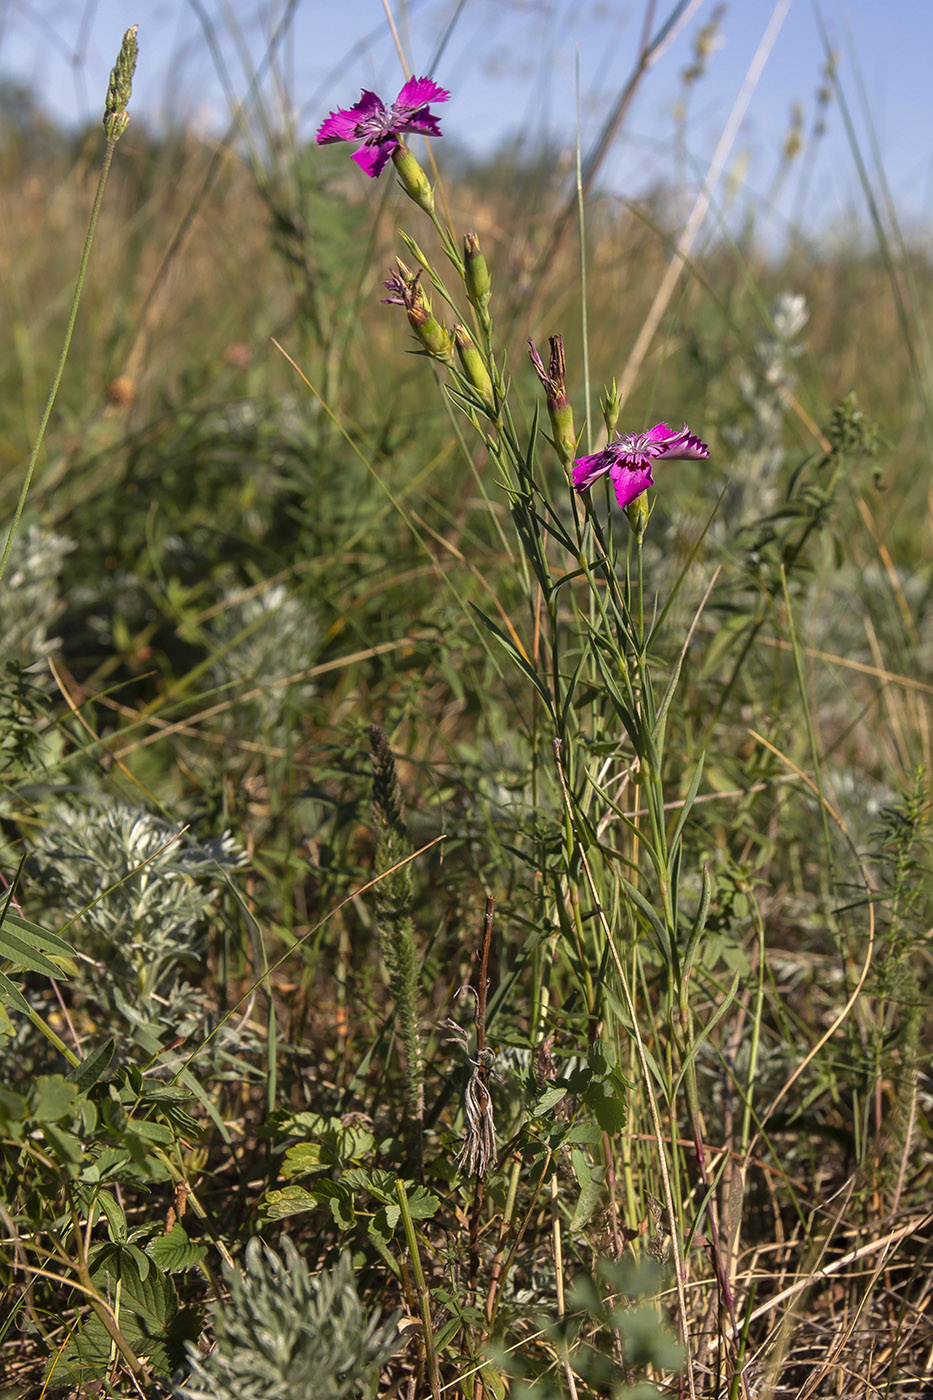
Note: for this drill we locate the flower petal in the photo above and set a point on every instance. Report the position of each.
(630, 482)
(686, 445)
(410, 110)
(667, 443)
(345, 123)
(586, 470)
(339, 126)
(418, 92)
(375, 157)
(424, 122)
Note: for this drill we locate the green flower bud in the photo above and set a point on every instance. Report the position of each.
(435, 338)
(474, 366)
(638, 513)
(414, 181)
(478, 281)
(611, 405)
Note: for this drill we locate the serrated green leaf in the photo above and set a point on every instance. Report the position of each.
(175, 1252)
(378, 1183)
(421, 1202)
(381, 1226)
(340, 1200)
(608, 1105)
(343, 1212)
(150, 1320)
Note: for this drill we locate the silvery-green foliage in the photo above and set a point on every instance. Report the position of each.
(31, 599)
(285, 1333)
(143, 892)
(258, 642)
(765, 388)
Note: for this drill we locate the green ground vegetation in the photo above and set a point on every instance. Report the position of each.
(456, 939)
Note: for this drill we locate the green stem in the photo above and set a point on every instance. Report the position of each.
(99, 1305)
(49, 1034)
(66, 345)
(424, 1297)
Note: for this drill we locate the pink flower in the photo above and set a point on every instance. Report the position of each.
(378, 126)
(629, 460)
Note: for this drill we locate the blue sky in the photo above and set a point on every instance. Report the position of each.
(510, 65)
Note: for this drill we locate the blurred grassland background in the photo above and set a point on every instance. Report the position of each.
(224, 577)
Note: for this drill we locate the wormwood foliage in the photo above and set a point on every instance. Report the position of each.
(143, 890)
(282, 1332)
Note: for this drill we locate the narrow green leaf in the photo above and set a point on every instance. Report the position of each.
(25, 955)
(520, 661)
(154, 1132)
(112, 1211)
(11, 994)
(708, 1029)
(688, 803)
(93, 1066)
(39, 937)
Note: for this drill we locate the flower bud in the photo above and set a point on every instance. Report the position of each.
(559, 409)
(638, 513)
(414, 181)
(434, 337)
(476, 273)
(611, 404)
(474, 366)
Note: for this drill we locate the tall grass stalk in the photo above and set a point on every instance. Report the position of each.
(115, 120)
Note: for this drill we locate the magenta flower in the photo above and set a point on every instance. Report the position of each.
(378, 126)
(629, 460)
